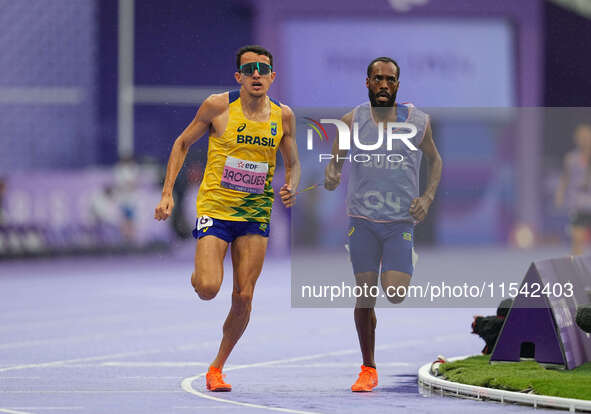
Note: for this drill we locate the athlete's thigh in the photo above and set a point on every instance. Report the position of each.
(398, 243)
(209, 259)
(397, 266)
(248, 255)
(365, 249)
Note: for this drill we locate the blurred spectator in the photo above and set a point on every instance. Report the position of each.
(574, 190)
(126, 178)
(104, 208)
(190, 176)
(2, 192)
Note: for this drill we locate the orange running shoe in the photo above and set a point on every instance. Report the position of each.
(368, 379)
(215, 380)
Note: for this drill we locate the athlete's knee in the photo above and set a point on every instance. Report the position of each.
(395, 284)
(396, 299)
(206, 289)
(367, 286)
(396, 293)
(242, 300)
(365, 302)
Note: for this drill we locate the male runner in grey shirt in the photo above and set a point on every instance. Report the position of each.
(383, 199)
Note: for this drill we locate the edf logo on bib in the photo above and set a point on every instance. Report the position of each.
(247, 165)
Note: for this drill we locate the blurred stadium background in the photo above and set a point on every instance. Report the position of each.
(93, 93)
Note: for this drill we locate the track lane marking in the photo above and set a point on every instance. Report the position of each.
(186, 384)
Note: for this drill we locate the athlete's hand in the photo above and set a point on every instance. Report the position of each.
(419, 208)
(164, 208)
(332, 176)
(288, 197)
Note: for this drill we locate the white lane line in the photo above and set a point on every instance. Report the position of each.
(180, 364)
(187, 383)
(340, 365)
(67, 361)
(95, 337)
(46, 408)
(189, 364)
(187, 387)
(29, 325)
(108, 356)
(9, 411)
(148, 364)
(183, 326)
(202, 406)
(53, 341)
(158, 378)
(91, 392)
(21, 378)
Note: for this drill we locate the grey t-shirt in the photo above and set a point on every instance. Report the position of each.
(382, 187)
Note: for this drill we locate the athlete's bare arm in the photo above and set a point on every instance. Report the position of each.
(332, 174)
(563, 185)
(214, 106)
(419, 207)
(289, 152)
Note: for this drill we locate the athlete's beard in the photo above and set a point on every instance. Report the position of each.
(375, 103)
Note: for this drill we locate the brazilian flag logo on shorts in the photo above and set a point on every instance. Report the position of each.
(263, 227)
(407, 236)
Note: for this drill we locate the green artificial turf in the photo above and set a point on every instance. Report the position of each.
(522, 376)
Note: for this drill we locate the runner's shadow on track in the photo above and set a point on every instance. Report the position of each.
(404, 384)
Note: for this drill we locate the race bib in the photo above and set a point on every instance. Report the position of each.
(204, 221)
(245, 176)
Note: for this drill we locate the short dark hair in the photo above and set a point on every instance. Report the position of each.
(259, 50)
(386, 60)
